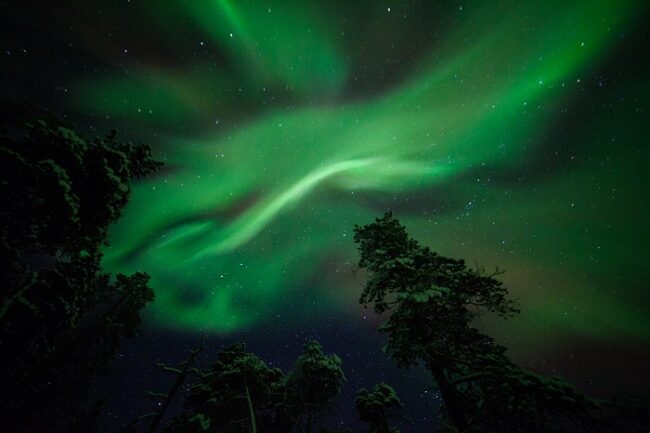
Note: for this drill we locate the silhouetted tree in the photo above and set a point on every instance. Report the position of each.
(240, 393)
(312, 385)
(378, 406)
(433, 301)
(61, 319)
(237, 394)
(181, 373)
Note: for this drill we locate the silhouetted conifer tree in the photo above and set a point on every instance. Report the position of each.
(312, 385)
(61, 318)
(433, 301)
(378, 407)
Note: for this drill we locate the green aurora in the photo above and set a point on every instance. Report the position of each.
(271, 159)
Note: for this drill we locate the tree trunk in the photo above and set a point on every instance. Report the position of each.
(251, 411)
(451, 398)
(180, 379)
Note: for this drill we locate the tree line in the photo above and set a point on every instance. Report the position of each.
(62, 318)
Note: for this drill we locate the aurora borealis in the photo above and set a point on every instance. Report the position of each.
(513, 134)
(213, 230)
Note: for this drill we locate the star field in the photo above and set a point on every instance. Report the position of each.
(510, 134)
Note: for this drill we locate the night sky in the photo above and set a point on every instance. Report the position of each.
(508, 134)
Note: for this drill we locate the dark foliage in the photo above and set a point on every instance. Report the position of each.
(433, 301)
(61, 318)
(240, 393)
(312, 385)
(378, 407)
